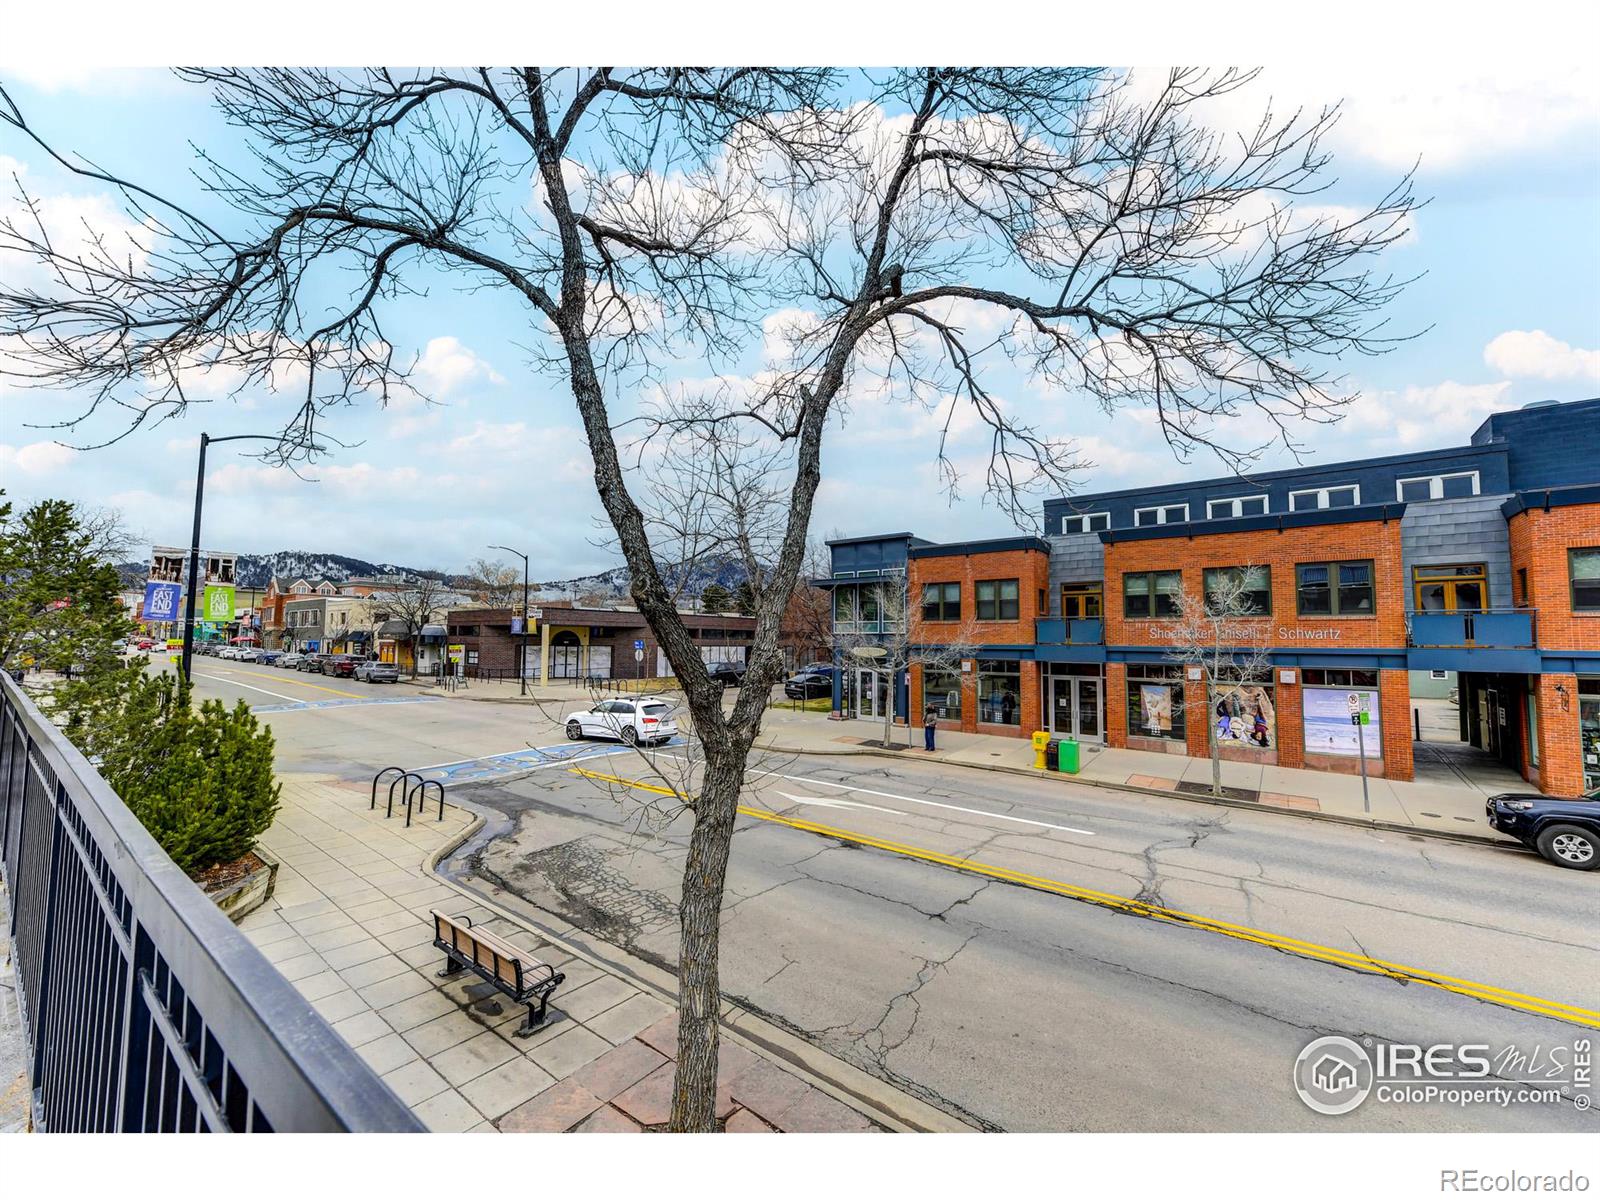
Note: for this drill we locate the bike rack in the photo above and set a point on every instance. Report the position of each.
(421, 792)
(402, 778)
(377, 779)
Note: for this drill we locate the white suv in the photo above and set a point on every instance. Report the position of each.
(643, 720)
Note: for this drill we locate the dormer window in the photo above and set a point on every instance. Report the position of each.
(1161, 514)
(1085, 522)
(1454, 486)
(1339, 496)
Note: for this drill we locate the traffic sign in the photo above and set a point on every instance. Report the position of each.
(638, 645)
(638, 656)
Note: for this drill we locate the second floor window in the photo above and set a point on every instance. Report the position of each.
(941, 602)
(1583, 565)
(1241, 506)
(1254, 584)
(1151, 593)
(1438, 487)
(997, 599)
(1329, 497)
(1079, 600)
(1335, 589)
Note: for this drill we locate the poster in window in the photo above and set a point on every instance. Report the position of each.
(1155, 708)
(1246, 716)
(1327, 721)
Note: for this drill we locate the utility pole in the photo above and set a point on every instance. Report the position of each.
(522, 667)
(194, 541)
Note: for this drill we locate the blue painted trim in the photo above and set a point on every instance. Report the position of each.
(1474, 658)
(1554, 497)
(987, 546)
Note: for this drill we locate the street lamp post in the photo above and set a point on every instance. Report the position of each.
(194, 540)
(522, 667)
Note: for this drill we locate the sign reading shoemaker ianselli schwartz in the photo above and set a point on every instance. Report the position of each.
(1258, 634)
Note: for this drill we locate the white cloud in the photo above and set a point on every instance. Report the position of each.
(36, 458)
(1534, 354)
(446, 365)
(1441, 415)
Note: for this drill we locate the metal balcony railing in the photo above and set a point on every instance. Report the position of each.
(1490, 628)
(144, 1009)
(1069, 631)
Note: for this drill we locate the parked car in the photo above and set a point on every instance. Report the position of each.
(289, 660)
(817, 668)
(267, 657)
(377, 672)
(339, 664)
(1564, 829)
(729, 674)
(247, 654)
(144, 644)
(808, 685)
(311, 662)
(222, 651)
(640, 720)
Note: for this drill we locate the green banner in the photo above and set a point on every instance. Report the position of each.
(219, 602)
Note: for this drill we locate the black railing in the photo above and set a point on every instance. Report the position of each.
(143, 1007)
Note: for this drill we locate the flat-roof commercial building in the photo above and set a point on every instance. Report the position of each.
(1479, 563)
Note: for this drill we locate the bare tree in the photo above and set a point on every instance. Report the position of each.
(494, 584)
(1225, 634)
(806, 631)
(902, 231)
(415, 604)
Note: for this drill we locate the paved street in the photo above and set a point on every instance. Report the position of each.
(1017, 1007)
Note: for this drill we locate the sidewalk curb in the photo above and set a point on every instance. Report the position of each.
(1476, 839)
(872, 1097)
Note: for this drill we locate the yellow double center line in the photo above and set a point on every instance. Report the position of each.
(1156, 912)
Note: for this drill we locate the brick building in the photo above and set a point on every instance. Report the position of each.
(1473, 569)
(579, 642)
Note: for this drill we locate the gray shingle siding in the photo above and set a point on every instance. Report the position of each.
(1074, 558)
(1468, 530)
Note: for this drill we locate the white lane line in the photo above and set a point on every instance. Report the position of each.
(230, 680)
(977, 812)
(478, 758)
(839, 803)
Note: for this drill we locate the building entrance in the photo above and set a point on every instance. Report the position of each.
(1076, 706)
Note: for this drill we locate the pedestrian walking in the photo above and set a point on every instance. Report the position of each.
(930, 723)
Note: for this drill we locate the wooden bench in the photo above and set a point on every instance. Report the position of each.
(515, 972)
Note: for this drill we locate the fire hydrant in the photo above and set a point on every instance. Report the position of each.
(1040, 741)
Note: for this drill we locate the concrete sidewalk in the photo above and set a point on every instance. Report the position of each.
(1453, 808)
(349, 926)
(16, 1115)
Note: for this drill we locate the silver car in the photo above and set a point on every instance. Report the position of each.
(377, 672)
(290, 660)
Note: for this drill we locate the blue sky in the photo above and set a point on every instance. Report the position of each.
(1509, 250)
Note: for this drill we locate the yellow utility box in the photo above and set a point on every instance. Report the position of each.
(1040, 741)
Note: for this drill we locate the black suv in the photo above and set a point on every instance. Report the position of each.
(1565, 829)
(729, 674)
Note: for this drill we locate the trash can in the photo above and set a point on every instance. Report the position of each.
(1069, 755)
(1051, 751)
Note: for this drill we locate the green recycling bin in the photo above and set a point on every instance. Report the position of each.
(1069, 755)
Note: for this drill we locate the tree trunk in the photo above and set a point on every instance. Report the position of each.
(694, 1088)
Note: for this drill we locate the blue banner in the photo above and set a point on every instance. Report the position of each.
(161, 601)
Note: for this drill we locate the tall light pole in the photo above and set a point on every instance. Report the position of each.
(522, 667)
(194, 540)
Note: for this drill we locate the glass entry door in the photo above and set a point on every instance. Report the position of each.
(1075, 708)
(872, 693)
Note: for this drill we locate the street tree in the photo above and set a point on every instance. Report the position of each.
(715, 598)
(494, 584)
(1225, 633)
(806, 630)
(744, 598)
(880, 237)
(58, 591)
(415, 604)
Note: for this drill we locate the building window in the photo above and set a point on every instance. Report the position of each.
(1335, 589)
(999, 692)
(997, 599)
(1438, 487)
(844, 606)
(1151, 593)
(1583, 567)
(1325, 717)
(1155, 701)
(1340, 677)
(1085, 522)
(868, 601)
(1256, 582)
(1241, 506)
(1343, 496)
(941, 690)
(1081, 600)
(1462, 587)
(1161, 514)
(1522, 585)
(1437, 674)
(941, 602)
(1243, 714)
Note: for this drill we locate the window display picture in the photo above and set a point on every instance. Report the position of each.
(1327, 722)
(1245, 716)
(1155, 708)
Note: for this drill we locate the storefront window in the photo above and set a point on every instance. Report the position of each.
(1589, 730)
(1326, 720)
(942, 690)
(1339, 677)
(1253, 585)
(1244, 714)
(999, 692)
(1155, 702)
